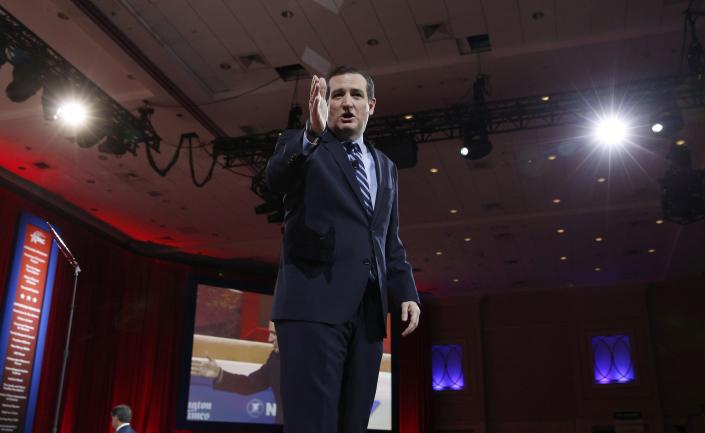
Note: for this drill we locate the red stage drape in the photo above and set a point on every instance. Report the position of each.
(414, 363)
(127, 333)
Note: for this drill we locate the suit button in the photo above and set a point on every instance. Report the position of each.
(366, 262)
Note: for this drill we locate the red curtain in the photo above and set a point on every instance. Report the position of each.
(127, 330)
(414, 362)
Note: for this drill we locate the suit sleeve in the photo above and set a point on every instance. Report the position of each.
(284, 166)
(244, 384)
(400, 279)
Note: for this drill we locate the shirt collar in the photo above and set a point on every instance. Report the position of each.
(361, 142)
(122, 425)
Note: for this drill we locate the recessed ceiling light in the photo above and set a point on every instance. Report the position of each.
(372, 42)
(545, 98)
(537, 15)
(560, 231)
(652, 250)
(599, 239)
(286, 13)
(601, 179)
(453, 211)
(680, 142)
(225, 66)
(597, 269)
(556, 200)
(408, 116)
(659, 221)
(468, 239)
(551, 157)
(564, 258)
(439, 253)
(455, 280)
(433, 170)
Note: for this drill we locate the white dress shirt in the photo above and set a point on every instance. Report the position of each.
(367, 159)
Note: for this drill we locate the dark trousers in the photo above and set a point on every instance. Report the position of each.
(329, 372)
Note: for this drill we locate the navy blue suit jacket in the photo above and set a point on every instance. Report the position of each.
(125, 429)
(329, 239)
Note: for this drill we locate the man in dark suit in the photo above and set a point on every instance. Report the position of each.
(343, 266)
(120, 417)
(267, 376)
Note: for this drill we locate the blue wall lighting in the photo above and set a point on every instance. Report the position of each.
(447, 367)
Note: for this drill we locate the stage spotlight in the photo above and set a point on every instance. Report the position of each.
(114, 144)
(682, 188)
(667, 122)
(26, 77)
(401, 148)
(92, 134)
(72, 113)
(476, 143)
(611, 131)
(3, 49)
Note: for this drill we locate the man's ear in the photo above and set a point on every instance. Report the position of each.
(373, 103)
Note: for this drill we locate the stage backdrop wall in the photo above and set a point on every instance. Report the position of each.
(127, 332)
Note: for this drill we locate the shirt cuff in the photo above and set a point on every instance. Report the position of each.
(307, 146)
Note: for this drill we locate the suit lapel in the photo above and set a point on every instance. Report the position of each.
(330, 143)
(381, 181)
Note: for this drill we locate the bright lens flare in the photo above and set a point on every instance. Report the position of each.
(464, 151)
(611, 131)
(72, 113)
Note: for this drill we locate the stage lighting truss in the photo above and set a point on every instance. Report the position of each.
(38, 67)
(118, 131)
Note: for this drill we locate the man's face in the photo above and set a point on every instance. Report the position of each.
(273, 337)
(349, 107)
(115, 421)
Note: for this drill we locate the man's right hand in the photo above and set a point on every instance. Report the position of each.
(318, 106)
(203, 368)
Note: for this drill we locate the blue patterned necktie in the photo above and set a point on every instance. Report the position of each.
(355, 158)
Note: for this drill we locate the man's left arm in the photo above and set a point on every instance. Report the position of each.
(400, 280)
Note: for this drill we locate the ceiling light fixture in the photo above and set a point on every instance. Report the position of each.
(611, 131)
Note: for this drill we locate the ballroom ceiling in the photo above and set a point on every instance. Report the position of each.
(210, 67)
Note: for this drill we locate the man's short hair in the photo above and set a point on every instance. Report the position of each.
(345, 69)
(122, 412)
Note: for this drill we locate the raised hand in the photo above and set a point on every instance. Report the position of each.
(317, 105)
(204, 368)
